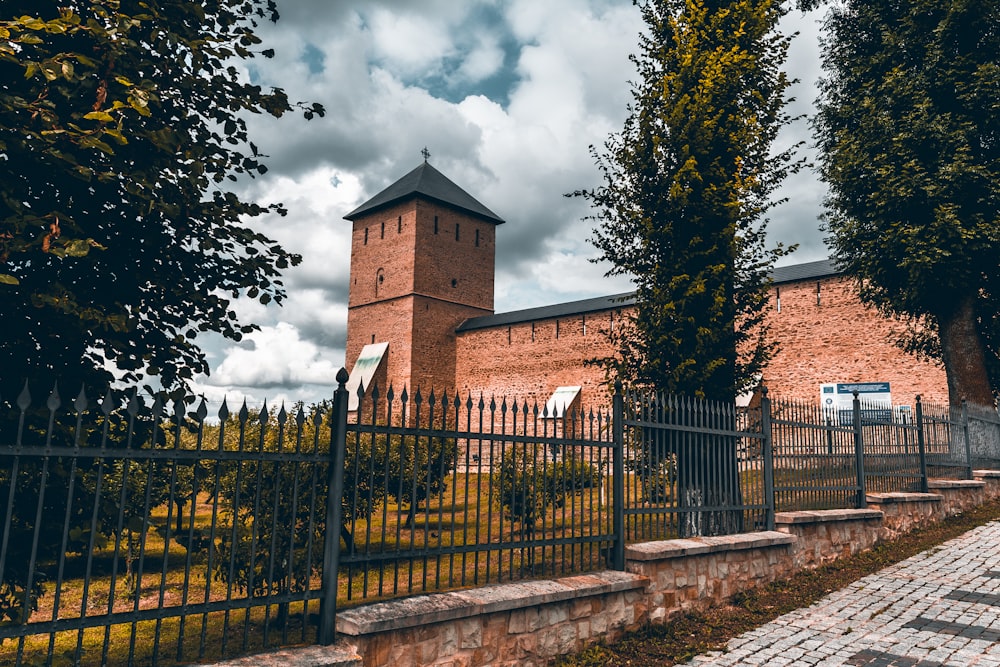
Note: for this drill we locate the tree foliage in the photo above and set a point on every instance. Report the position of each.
(273, 533)
(122, 123)
(909, 132)
(529, 485)
(687, 184)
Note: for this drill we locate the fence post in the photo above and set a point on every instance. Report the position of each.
(921, 447)
(859, 454)
(335, 485)
(768, 452)
(968, 443)
(618, 479)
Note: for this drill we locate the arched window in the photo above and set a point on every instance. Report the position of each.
(379, 279)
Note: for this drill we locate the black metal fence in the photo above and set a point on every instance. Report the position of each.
(692, 467)
(146, 534)
(445, 491)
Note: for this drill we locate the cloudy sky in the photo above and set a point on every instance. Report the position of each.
(507, 95)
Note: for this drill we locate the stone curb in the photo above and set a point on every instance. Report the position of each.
(822, 516)
(955, 484)
(338, 655)
(705, 545)
(901, 497)
(438, 607)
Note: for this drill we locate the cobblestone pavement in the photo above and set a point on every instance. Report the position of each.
(940, 608)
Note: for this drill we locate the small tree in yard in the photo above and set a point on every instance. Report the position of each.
(686, 186)
(273, 538)
(529, 486)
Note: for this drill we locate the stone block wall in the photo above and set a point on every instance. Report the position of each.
(958, 495)
(826, 535)
(529, 623)
(902, 512)
(697, 573)
(526, 623)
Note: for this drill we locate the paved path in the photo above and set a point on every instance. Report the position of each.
(940, 608)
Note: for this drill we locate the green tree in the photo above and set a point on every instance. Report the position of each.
(122, 123)
(273, 534)
(687, 184)
(529, 485)
(909, 132)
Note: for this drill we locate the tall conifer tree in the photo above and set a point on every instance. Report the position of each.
(687, 184)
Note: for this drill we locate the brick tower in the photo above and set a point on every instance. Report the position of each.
(422, 262)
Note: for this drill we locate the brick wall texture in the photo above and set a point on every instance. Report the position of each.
(419, 269)
(832, 339)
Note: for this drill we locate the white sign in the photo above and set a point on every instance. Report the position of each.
(875, 398)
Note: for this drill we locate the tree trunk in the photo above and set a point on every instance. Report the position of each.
(963, 353)
(707, 478)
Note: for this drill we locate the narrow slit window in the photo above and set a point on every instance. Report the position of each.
(399, 225)
(382, 235)
(557, 328)
(777, 299)
(532, 332)
(366, 236)
(477, 238)
(435, 224)
(584, 325)
(456, 231)
(818, 294)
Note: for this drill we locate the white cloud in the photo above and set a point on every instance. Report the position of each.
(278, 358)
(483, 61)
(408, 43)
(517, 150)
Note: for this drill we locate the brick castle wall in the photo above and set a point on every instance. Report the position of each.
(529, 360)
(827, 335)
(418, 270)
(834, 339)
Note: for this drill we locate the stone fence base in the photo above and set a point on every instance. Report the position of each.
(530, 623)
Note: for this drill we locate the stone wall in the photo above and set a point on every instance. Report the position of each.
(836, 339)
(700, 572)
(826, 335)
(529, 623)
(526, 623)
(823, 536)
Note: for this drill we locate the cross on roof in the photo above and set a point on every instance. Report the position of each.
(426, 153)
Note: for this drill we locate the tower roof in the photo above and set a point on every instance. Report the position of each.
(426, 181)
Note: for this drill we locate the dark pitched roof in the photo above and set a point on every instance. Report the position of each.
(819, 269)
(784, 274)
(549, 312)
(428, 182)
